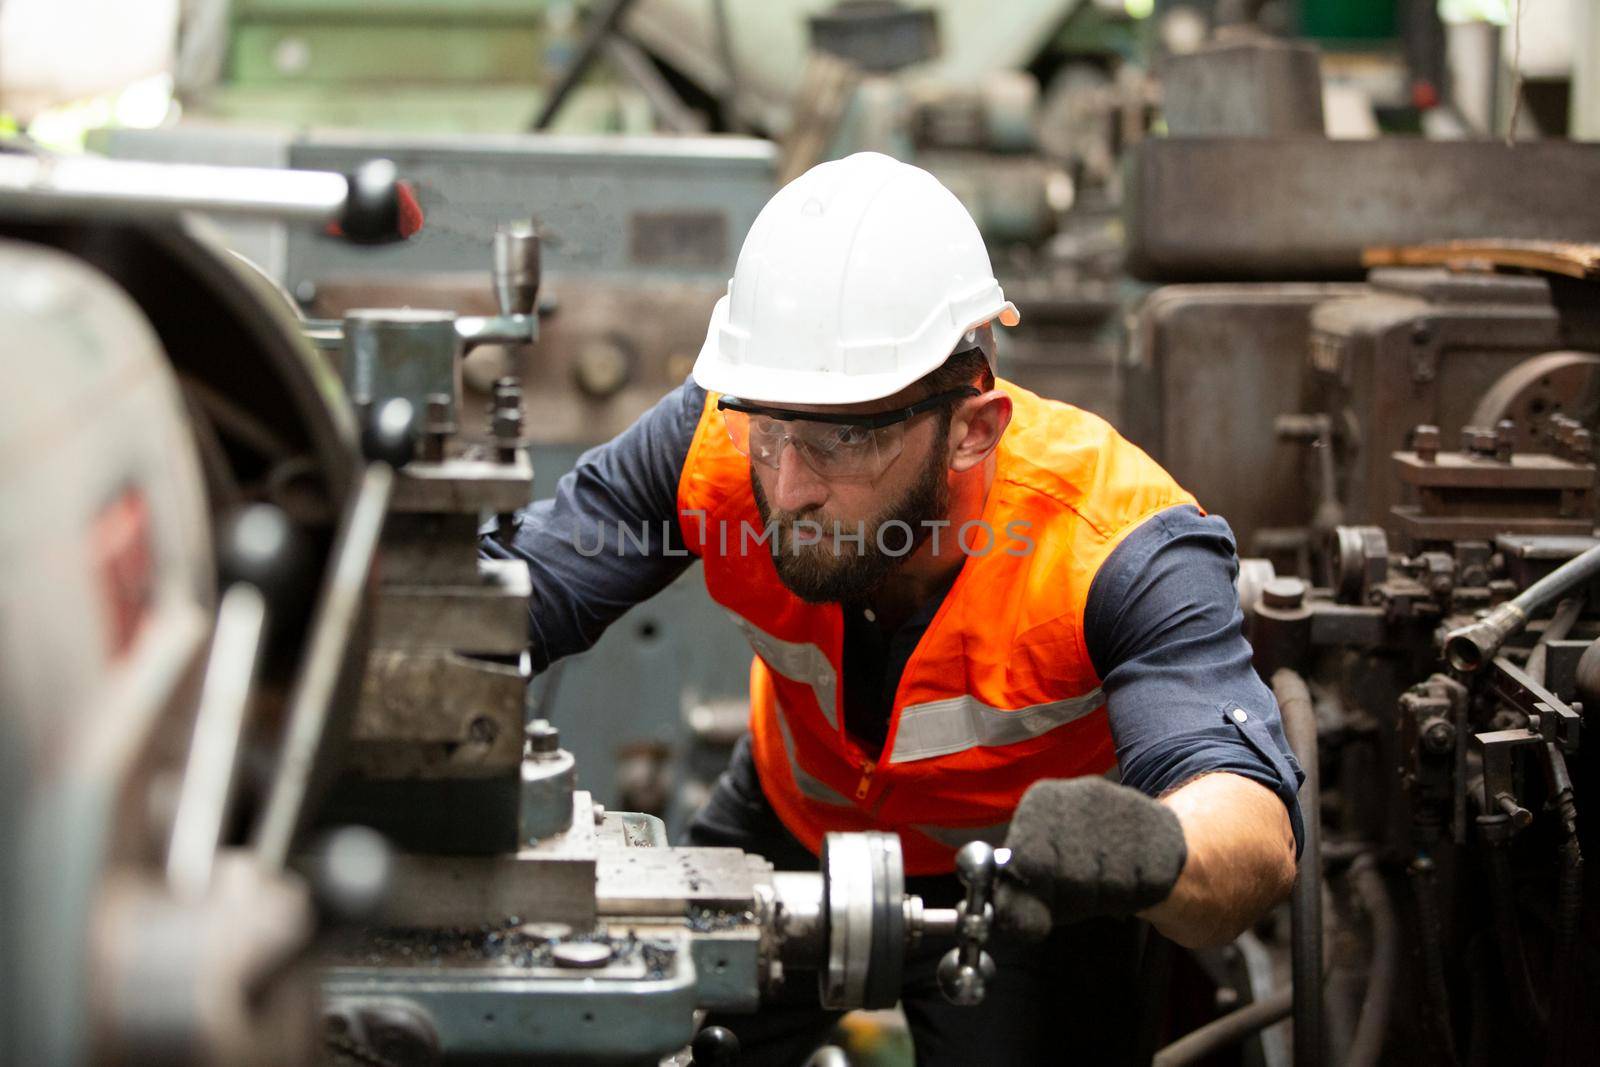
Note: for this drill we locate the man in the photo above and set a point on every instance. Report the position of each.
(969, 607)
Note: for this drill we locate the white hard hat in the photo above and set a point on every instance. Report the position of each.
(857, 278)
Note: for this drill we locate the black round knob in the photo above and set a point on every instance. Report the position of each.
(390, 433)
(259, 545)
(714, 1046)
(372, 206)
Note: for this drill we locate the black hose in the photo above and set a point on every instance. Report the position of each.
(1525, 1006)
(1425, 891)
(1228, 1030)
(1567, 980)
(1383, 975)
(1305, 916)
(1474, 645)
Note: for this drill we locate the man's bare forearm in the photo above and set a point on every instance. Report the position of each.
(1240, 859)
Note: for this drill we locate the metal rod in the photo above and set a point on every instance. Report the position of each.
(669, 108)
(940, 922)
(213, 754)
(594, 35)
(311, 701)
(729, 103)
(1305, 916)
(94, 186)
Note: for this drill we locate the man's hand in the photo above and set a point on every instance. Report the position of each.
(1084, 847)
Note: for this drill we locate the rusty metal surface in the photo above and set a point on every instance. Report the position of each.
(1305, 207)
(1565, 382)
(463, 486)
(1418, 527)
(450, 712)
(1549, 257)
(1193, 345)
(1423, 347)
(1255, 86)
(1454, 470)
(491, 617)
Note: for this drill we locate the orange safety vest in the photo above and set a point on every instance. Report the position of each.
(999, 692)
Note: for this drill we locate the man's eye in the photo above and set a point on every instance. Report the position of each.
(854, 437)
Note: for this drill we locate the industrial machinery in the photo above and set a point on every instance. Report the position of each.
(289, 794)
(1421, 512)
(1446, 662)
(1423, 603)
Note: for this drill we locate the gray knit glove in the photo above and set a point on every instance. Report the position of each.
(1083, 847)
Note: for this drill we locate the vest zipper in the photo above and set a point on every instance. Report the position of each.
(865, 784)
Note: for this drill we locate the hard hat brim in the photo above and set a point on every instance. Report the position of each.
(824, 385)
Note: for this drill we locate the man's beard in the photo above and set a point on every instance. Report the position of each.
(834, 568)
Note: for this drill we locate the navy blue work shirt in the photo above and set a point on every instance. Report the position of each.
(1162, 622)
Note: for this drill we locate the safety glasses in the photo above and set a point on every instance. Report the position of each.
(836, 447)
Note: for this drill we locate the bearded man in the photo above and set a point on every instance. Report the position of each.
(974, 612)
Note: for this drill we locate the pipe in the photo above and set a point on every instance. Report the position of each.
(1373, 1025)
(1561, 624)
(1228, 1030)
(1470, 647)
(1305, 916)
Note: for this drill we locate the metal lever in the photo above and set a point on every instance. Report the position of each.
(364, 203)
(263, 561)
(388, 442)
(516, 292)
(965, 971)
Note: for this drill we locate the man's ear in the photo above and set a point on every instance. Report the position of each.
(976, 426)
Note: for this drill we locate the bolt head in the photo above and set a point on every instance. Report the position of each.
(1439, 736)
(1284, 592)
(542, 736)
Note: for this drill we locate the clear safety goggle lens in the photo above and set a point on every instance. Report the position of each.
(833, 450)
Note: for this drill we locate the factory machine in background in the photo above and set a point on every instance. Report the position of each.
(1399, 341)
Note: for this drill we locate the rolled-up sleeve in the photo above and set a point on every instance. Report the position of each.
(1164, 630)
(609, 537)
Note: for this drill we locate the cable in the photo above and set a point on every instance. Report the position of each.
(1228, 1030)
(1300, 726)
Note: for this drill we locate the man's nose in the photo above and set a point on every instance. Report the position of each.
(797, 487)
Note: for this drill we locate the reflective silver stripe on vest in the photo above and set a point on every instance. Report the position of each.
(941, 727)
(956, 836)
(803, 663)
(813, 788)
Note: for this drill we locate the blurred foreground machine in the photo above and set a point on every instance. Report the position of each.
(220, 722)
